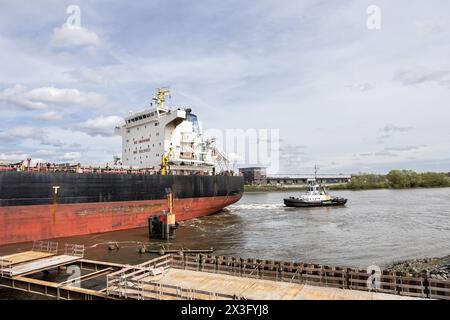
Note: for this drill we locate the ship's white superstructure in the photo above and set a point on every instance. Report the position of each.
(160, 133)
(314, 192)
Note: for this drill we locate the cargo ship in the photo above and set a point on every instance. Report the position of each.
(163, 151)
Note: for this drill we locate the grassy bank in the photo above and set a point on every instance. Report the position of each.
(396, 179)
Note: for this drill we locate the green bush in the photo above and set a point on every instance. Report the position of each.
(368, 181)
(399, 179)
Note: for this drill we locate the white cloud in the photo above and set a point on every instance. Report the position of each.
(22, 133)
(31, 133)
(70, 156)
(361, 87)
(265, 65)
(394, 128)
(404, 148)
(13, 157)
(49, 116)
(62, 97)
(101, 75)
(415, 76)
(15, 96)
(69, 37)
(44, 152)
(101, 126)
(44, 97)
(48, 141)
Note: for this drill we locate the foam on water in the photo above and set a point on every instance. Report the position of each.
(255, 206)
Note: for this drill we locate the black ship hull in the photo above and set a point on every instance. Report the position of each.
(41, 205)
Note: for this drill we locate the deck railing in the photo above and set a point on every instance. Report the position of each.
(314, 274)
(45, 246)
(5, 268)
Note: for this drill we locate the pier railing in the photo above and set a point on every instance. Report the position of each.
(142, 282)
(5, 268)
(314, 274)
(145, 281)
(45, 246)
(74, 250)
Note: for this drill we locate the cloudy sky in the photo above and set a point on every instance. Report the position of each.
(344, 96)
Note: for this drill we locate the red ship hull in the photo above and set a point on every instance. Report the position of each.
(36, 222)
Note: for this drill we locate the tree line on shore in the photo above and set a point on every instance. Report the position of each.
(398, 179)
(395, 179)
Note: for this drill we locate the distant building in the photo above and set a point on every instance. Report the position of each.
(258, 175)
(301, 179)
(254, 175)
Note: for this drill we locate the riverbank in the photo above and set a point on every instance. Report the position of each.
(395, 179)
(438, 268)
(341, 187)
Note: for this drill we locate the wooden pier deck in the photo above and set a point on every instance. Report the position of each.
(199, 277)
(188, 284)
(26, 256)
(41, 264)
(216, 286)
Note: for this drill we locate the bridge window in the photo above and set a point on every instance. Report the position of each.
(193, 119)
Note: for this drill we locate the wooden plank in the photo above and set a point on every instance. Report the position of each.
(98, 265)
(26, 256)
(43, 283)
(163, 259)
(439, 289)
(43, 264)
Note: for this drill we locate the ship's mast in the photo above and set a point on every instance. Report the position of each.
(160, 97)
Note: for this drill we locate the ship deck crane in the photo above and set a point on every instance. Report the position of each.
(165, 160)
(222, 161)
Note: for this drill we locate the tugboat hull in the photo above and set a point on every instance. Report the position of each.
(298, 203)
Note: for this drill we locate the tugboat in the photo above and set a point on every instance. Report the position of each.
(316, 196)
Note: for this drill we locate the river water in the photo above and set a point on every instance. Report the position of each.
(375, 227)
